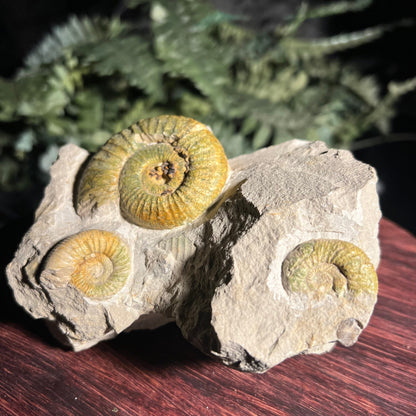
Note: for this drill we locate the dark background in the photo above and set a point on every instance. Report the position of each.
(23, 23)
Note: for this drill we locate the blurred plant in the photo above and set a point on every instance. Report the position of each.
(94, 76)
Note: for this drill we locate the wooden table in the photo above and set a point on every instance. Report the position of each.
(159, 373)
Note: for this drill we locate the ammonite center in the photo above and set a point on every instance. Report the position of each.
(155, 170)
(162, 173)
(96, 269)
(324, 277)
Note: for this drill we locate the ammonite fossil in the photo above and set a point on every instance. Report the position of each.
(162, 172)
(317, 267)
(95, 262)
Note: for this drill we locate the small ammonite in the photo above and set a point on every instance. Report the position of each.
(162, 172)
(95, 262)
(318, 267)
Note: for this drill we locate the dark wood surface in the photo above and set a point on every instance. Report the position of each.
(159, 373)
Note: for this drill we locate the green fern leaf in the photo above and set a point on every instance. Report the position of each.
(130, 57)
(338, 7)
(231, 33)
(296, 49)
(249, 126)
(194, 106)
(262, 136)
(77, 31)
(186, 49)
(234, 143)
(306, 12)
(140, 109)
(263, 82)
(36, 97)
(87, 110)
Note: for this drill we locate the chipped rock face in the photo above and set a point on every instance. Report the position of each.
(282, 264)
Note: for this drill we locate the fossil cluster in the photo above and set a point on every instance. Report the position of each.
(257, 259)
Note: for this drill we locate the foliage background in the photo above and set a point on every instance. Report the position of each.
(24, 23)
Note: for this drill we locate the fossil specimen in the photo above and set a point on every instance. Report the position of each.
(163, 172)
(95, 262)
(318, 267)
(228, 281)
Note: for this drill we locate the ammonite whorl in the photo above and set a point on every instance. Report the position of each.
(318, 267)
(163, 172)
(95, 262)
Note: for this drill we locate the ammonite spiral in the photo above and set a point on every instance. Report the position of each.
(318, 267)
(163, 172)
(95, 262)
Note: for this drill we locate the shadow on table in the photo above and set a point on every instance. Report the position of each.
(156, 349)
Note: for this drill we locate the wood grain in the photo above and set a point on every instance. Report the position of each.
(159, 373)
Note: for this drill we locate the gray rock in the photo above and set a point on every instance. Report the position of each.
(219, 278)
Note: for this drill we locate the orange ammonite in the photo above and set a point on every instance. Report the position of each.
(162, 172)
(96, 262)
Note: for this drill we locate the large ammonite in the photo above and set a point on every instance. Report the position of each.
(95, 262)
(163, 172)
(318, 267)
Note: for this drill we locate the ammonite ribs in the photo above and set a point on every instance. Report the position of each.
(95, 262)
(163, 172)
(318, 267)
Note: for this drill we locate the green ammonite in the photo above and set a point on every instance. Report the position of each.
(162, 172)
(318, 267)
(95, 262)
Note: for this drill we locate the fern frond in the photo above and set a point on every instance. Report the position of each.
(87, 110)
(351, 124)
(296, 49)
(93, 76)
(229, 32)
(216, 18)
(339, 7)
(234, 142)
(385, 110)
(397, 89)
(130, 57)
(36, 97)
(305, 12)
(366, 88)
(186, 52)
(46, 92)
(140, 109)
(264, 82)
(194, 106)
(77, 31)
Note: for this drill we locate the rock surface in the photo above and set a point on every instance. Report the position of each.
(219, 278)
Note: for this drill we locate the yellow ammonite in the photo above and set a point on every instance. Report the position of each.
(163, 172)
(95, 262)
(317, 267)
